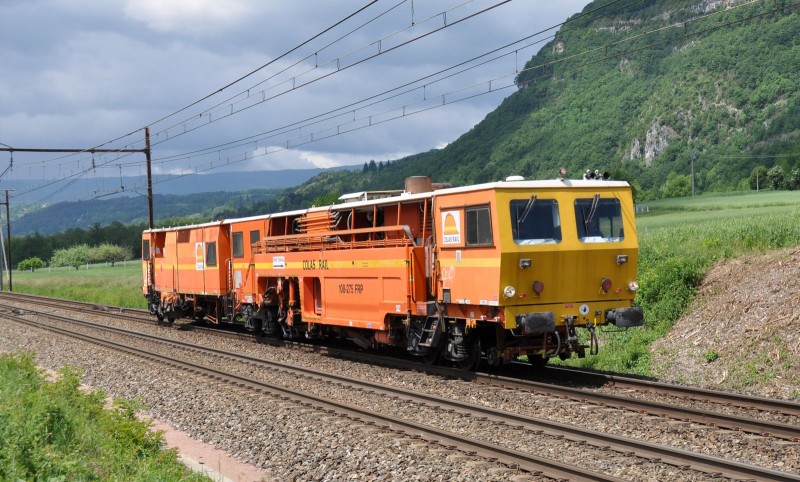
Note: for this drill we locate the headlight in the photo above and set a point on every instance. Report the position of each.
(509, 291)
(633, 286)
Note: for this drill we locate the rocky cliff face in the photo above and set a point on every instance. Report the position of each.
(656, 140)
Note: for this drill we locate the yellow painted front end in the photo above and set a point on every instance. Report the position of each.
(579, 278)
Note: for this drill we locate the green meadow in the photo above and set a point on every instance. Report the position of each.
(119, 285)
(679, 240)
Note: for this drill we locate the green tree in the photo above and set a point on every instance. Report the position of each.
(74, 256)
(325, 200)
(793, 182)
(677, 185)
(109, 253)
(95, 234)
(31, 264)
(776, 178)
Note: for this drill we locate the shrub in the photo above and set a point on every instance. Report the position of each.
(54, 431)
(74, 256)
(109, 253)
(31, 264)
(776, 178)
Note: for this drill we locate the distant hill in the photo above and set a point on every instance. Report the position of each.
(651, 92)
(200, 197)
(129, 210)
(662, 93)
(162, 184)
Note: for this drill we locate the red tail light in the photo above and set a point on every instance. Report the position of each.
(538, 287)
(605, 284)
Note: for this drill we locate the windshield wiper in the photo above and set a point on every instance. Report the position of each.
(527, 210)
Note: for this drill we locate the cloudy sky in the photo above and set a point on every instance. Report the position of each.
(78, 74)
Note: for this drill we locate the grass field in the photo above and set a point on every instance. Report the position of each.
(679, 240)
(120, 285)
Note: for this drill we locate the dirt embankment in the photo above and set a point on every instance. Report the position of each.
(742, 331)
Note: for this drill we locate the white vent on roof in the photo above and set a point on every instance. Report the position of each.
(514, 178)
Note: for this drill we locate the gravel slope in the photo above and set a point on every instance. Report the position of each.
(741, 331)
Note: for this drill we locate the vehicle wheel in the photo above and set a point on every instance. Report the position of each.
(493, 357)
(474, 357)
(160, 315)
(432, 356)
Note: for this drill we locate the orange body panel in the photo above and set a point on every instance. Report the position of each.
(354, 288)
(244, 234)
(191, 261)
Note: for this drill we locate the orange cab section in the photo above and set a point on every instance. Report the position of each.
(189, 270)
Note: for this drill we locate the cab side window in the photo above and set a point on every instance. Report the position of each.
(211, 254)
(478, 226)
(238, 245)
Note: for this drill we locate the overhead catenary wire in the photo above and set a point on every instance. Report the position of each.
(316, 137)
(252, 72)
(321, 77)
(80, 174)
(300, 124)
(361, 103)
(224, 105)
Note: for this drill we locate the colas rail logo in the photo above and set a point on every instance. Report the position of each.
(451, 232)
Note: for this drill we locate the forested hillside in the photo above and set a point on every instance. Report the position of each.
(643, 91)
(191, 207)
(651, 91)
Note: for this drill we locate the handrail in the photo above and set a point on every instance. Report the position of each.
(335, 240)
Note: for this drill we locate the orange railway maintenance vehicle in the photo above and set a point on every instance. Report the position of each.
(498, 270)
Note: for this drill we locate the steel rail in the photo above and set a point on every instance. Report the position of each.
(510, 457)
(673, 456)
(733, 422)
(738, 399)
(749, 425)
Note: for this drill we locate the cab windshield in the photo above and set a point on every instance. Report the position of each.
(535, 221)
(599, 220)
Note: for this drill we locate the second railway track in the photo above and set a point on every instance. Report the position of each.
(471, 418)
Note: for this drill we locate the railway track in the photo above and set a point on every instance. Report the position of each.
(709, 416)
(750, 402)
(643, 452)
(717, 404)
(79, 306)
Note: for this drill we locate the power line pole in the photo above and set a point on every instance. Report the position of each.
(149, 176)
(8, 235)
(146, 152)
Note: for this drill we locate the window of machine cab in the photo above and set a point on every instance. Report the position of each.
(599, 220)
